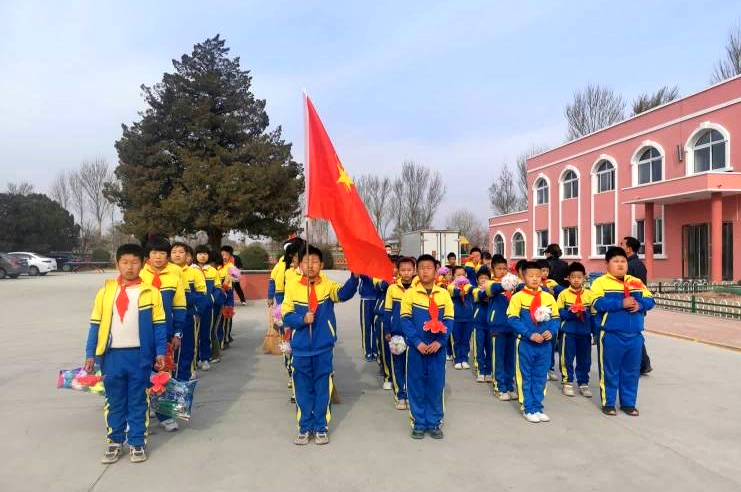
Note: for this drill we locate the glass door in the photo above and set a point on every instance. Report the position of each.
(727, 251)
(696, 250)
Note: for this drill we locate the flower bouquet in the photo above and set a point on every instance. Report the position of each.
(172, 397)
(397, 345)
(80, 380)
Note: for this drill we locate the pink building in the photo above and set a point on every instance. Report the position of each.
(671, 176)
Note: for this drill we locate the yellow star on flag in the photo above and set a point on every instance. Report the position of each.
(344, 177)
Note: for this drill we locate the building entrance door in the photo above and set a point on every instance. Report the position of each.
(695, 250)
(727, 251)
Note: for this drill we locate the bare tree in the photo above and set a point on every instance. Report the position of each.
(78, 198)
(94, 176)
(375, 191)
(471, 227)
(523, 191)
(645, 101)
(23, 188)
(60, 190)
(593, 108)
(504, 195)
(730, 66)
(421, 191)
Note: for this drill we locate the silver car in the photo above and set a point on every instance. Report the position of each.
(37, 264)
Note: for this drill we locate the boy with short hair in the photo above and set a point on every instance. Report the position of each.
(503, 350)
(619, 302)
(308, 309)
(207, 315)
(452, 260)
(482, 342)
(553, 288)
(127, 335)
(167, 278)
(427, 319)
(473, 264)
(533, 314)
(575, 334)
(406, 267)
(230, 271)
(462, 297)
(486, 259)
(194, 284)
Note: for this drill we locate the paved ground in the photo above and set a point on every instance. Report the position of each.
(687, 438)
(706, 329)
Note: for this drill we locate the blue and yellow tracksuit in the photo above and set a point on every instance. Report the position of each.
(532, 359)
(126, 370)
(173, 301)
(473, 270)
(227, 321)
(575, 336)
(553, 288)
(194, 283)
(380, 329)
(276, 283)
(620, 338)
(392, 326)
(312, 346)
(368, 299)
(207, 315)
(503, 353)
(482, 344)
(463, 306)
(425, 372)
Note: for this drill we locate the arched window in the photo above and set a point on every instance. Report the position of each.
(518, 244)
(570, 183)
(649, 166)
(541, 191)
(498, 246)
(605, 176)
(710, 151)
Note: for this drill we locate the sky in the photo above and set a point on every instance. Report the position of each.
(462, 87)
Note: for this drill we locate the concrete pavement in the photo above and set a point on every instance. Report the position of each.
(240, 438)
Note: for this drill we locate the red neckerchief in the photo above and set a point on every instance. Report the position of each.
(434, 324)
(156, 281)
(313, 300)
(578, 306)
(122, 301)
(533, 305)
(635, 283)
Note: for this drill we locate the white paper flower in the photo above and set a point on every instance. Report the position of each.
(510, 282)
(543, 313)
(397, 345)
(285, 347)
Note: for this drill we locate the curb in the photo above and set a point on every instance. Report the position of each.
(698, 340)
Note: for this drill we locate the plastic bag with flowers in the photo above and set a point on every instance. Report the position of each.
(277, 316)
(510, 282)
(172, 397)
(397, 345)
(80, 380)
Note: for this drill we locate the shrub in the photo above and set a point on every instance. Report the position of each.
(100, 255)
(254, 257)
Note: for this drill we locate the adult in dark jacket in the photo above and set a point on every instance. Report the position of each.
(636, 268)
(559, 268)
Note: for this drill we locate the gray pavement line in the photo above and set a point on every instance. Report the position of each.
(97, 480)
(694, 339)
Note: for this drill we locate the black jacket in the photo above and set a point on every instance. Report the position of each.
(636, 268)
(559, 271)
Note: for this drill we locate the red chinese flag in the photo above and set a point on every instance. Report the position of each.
(332, 196)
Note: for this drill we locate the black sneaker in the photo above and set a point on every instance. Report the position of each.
(436, 433)
(418, 434)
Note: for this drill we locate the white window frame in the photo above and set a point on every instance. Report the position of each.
(649, 162)
(524, 244)
(572, 182)
(709, 146)
(598, 175)
(539, 244)
(689, 147)
(499, 236)
(598, 238)
(570, 250)
(541, 185)
(640, 234)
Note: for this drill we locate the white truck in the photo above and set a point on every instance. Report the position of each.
(437, 243)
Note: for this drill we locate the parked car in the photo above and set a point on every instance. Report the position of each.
(37, 264)
(10, 266)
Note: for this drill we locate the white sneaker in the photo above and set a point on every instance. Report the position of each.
(458, 366)
(513, 395)
(215, 360)
(532, 417)
(568, 389)
(503, 396)
(388, 386)
(205, 366)
(465, 365)
(449, 357)
(401, 405)
(170, 425)
(199, 365)
(553, 376)
(488, 379)
(543, 417)
(584, 390)
(481, 378)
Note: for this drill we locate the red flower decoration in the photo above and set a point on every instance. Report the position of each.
(159, 382)
(227, 311)
(434, 326)
(89, 380)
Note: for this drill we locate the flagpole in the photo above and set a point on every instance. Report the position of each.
(306, 200)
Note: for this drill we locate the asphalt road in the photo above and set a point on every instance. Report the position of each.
(688, 436)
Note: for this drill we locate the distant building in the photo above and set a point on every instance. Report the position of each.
(669, 176)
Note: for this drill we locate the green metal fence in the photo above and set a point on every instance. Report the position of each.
(696, 303)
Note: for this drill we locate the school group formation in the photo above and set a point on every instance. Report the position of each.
(518, 321)
(171, 309)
